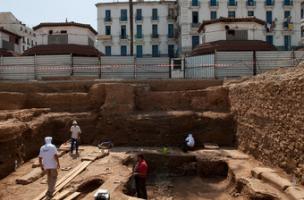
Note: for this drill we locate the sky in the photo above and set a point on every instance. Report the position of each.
(32, 12)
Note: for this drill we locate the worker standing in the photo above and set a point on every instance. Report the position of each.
(140, 173)
(49, 163)
(189, 143)
(75, 136)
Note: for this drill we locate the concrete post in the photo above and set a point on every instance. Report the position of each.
(72, 65)
(35, 68)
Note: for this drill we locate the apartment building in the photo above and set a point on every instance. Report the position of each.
(9, 43)
(28, 37)
(283, 17)
(155, 28)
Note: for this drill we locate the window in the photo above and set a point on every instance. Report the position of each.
(123, 15)
(108, 15)
(288, 2)
(138, 31)
(154, 14)
(269, 2)
(269, 39)
(139, 51)
(108, 50)
(286, 14)
(108, 30)
(23, 39)
(302, 31)
(154, 31)
(231, 14)
(287, 42)
(138, 14)
(170, 30)
(28, 41)
(171, 51)
(32, 43)
(213, 3)
(251, 3)
(155, 52)
(232, 3)
(123, 50)
(195, 41)
(123, 32)
(250, 13)
(269, 17)
(195, 19)
(50, 32)
(195, 3)
(63, 32)
(23, 48)
(213, 15)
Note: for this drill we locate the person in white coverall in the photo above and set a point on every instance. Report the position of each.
(189, 143)
(49, 163)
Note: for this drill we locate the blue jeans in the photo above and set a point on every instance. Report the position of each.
(74, 142)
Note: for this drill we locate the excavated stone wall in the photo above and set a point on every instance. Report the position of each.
(270, 118)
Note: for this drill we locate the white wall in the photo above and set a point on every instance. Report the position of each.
(77, 35)
(214, 32)
(147, 43)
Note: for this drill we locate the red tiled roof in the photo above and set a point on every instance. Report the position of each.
(7, 53)
(9, 32)
(232, 45)
(230, 20)
(53, 24)
(63, 49)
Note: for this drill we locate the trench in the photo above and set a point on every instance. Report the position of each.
(185, 177)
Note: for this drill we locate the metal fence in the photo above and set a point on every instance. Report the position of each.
(60, 66)
(237, 64)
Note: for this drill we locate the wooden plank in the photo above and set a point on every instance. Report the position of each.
(42, 195)
(30, 177)
(73, 196)
(62, 195)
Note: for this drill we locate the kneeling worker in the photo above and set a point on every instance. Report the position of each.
(188, 143)
(49, 162)
(140, 173)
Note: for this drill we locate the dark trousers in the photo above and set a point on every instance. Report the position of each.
(185, 147)
(141, 190)
(74, 142)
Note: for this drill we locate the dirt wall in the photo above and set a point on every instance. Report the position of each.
(270, 118)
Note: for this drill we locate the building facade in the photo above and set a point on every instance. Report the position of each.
(283, 27)
(12, 24)
(65, 33)
(155, 28)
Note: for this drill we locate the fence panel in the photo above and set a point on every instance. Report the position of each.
(233, 64)
(17, 68)
(200, 67)
(268, 60)
(86, 66)
(117, 67)
(53, 66)
(153, 68)
(299, 55)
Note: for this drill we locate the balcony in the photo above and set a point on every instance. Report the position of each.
(123, 39)
(139, 36)
(138, 18)
(155, 18)
(123, 19)
(287, 4)
(155, 36)
(108, 19)
(251, 4)
(232, 4)
(104, 37)
(287, 26)
(171, 18)
(213, 4)
(269, 3)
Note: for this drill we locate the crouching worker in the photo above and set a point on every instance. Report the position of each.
(75, 136)
(140, 175)
(189, 143)
(49, 163)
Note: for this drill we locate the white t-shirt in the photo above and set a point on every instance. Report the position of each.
(75, 131)
(190, 141)
(47, 153)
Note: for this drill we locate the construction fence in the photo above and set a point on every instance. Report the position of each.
(223, 65)
(61, 66)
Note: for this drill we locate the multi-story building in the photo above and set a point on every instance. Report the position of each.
(282, 17)
(302, 23)
(154, 28)
(61, 38)
(12, 24)
(9, 43)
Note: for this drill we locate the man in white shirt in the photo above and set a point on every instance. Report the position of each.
(49, 163)
(75, 136)
(189, 143)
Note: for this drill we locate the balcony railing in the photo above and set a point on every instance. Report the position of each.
(171, 17)
(213, 3)
(195, 3)
(123, 37)
(155, 36)
(287, 3)
(138, 17)
(251, 3)
(287, 26)
(232, 3)
(269, 3)
(155, 18)
(108, 19)
(123, 19)
(139, 36)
